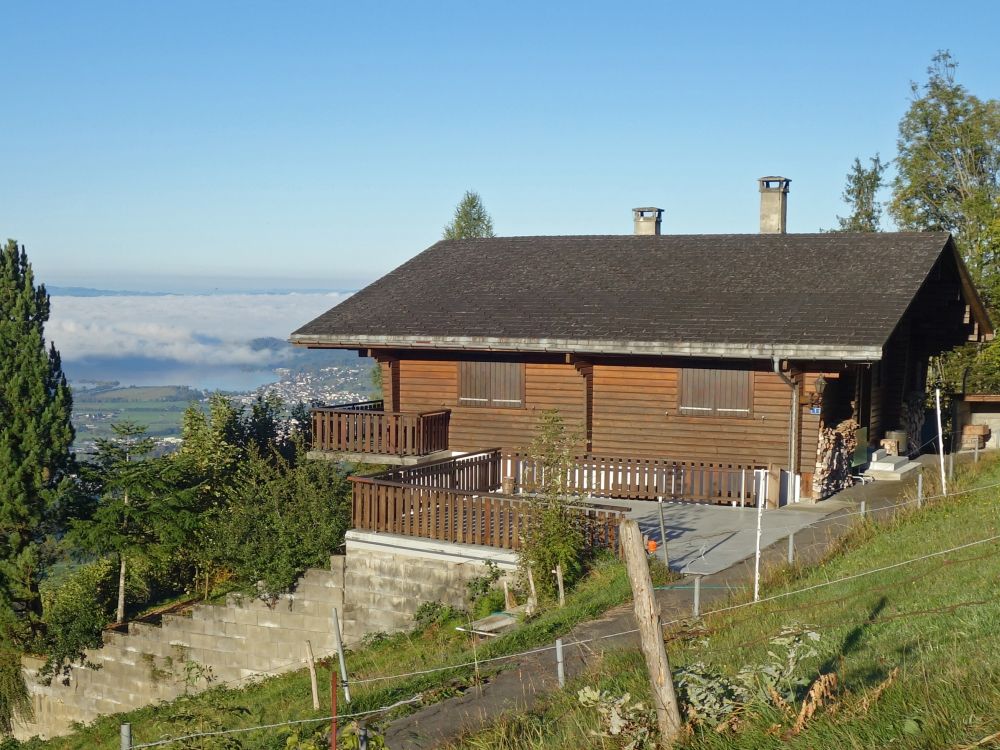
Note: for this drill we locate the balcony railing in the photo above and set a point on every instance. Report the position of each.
(366, 427)
(464, 516)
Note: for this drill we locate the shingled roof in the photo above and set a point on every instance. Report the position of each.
(815, 296)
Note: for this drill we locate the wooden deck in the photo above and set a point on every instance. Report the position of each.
(458, 499)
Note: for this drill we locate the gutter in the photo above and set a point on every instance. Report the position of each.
(793, 421)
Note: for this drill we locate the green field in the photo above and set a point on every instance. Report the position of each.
(160, 408)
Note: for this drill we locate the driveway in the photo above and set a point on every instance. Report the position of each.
(703, 538)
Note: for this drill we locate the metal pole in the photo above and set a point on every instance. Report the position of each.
(697, 595)
(977, 450)
(756, 562)
(663, 534)
(560, 666)
(863, 512)
(920, 489)
(362, 737)
(340, 655)
(944, 480)
(791, 548)
(126, 736)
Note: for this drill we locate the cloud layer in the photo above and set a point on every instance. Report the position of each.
(211, 330)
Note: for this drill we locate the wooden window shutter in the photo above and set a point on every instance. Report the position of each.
(496, 384)
(723, 393)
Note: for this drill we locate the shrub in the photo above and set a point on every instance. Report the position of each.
(555, 530)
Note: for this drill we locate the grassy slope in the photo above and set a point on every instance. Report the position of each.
(936, 620)
(287, 697)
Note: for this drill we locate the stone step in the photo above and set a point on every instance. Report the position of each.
(895, 475)
(889, 463)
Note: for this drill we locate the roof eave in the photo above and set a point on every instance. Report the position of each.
(835, 352)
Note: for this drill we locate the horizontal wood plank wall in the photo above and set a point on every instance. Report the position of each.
(636, 414)
(433, 383)
(387, 393)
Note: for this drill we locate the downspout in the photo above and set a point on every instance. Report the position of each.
(793, 421)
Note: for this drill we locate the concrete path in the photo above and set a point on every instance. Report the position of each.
(702, 539)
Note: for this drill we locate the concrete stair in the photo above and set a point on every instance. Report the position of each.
(884, 467)
(244, 638)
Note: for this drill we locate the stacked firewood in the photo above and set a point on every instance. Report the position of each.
(833, 458)
(912, 417)
(975, 436)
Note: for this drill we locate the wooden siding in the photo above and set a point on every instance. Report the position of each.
(636, 413)
(433, 384)
(633, 409)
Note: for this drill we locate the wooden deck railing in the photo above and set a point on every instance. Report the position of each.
(642, 478)
(471, 472)
(464, 517)
(366, 427)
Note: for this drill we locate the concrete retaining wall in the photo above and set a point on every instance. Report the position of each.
(376, 586)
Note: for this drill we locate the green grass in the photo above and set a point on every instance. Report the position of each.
(287, 697)
(159, 408)
(936, 621)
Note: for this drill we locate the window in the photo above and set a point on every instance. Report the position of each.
(495, 384)
(718, 393)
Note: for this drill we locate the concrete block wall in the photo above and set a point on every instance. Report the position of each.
(377, 586)
(245, 638)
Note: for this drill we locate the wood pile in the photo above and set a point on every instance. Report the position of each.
(975, 436)
(834, 452)
(912, 417)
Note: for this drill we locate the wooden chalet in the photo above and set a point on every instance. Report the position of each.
(684, 363)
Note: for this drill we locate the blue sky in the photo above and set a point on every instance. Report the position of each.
(247, 145)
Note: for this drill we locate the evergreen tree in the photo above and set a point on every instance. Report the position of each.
(861, 194)
(471, 219)
(133, 506)
(35, 440)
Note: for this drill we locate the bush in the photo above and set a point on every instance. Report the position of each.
(280, 518)
(555, 530)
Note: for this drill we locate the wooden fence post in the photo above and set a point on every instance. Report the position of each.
(312, 676)
(647, 615)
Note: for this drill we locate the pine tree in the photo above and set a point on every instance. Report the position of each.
(471, 219)
(861, 194)
(35, 440)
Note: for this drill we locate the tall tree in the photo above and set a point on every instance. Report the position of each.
(470, 220)
(861, 194)
(125, 483)
(35, 440)
(948, 170)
